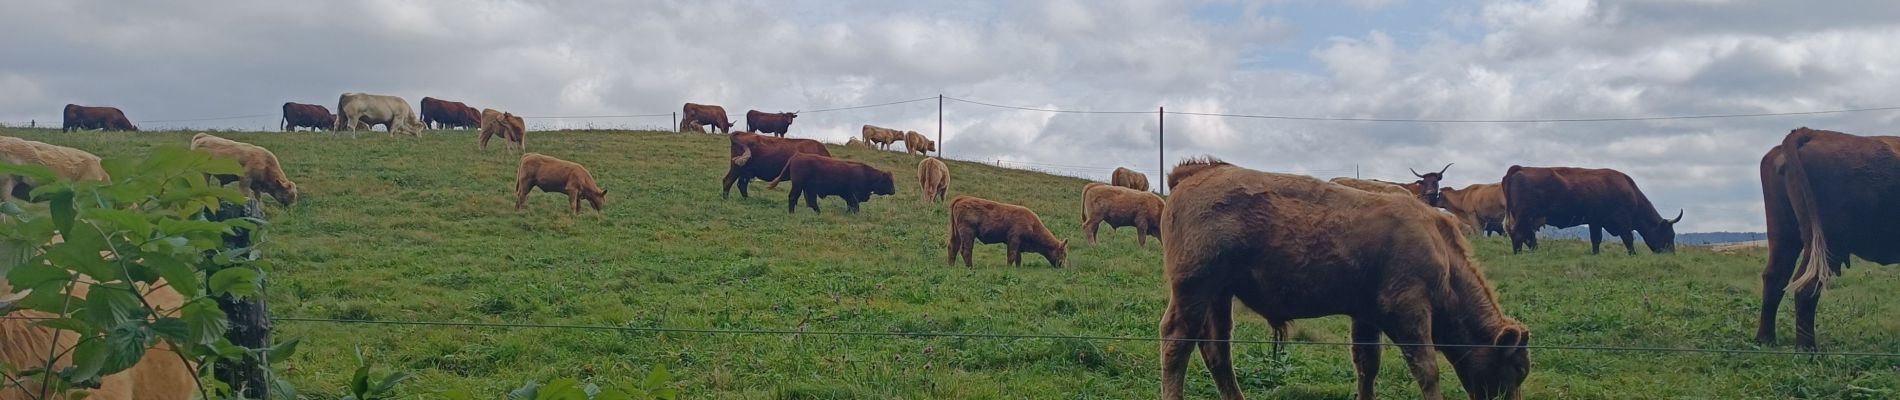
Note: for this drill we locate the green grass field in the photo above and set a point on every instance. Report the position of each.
(423, 230)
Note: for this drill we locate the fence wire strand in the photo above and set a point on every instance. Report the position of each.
(1007, 336)
(1045, 109)
(1535, 120)
(868, 105)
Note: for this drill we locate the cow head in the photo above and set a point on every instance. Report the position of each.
(597, 199)
(1662, 237)
(1496, 371)
(790, 116)
(1428, 185)
(1059, 255)
(883, 184)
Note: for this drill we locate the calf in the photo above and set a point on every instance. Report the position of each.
(1119, 207)
(506, 125)
(975, 220)
(556, 175)
(815, 176)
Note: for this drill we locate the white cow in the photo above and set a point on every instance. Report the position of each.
(361, 111)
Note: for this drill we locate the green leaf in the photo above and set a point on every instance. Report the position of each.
(89, 357)
(173, 329)
(68, 324)
(389, 383)
(112, 305)
(238, 281)
(36, 172)
(223, 348)
(283, 350)
(13, 210)
(122, 220)
(125, 345)
(182, 277)
(37, 275)
(658, 378)
(63, 213)
(205, 323)
(188, 227)
(50, 297)
(529, 391)
(282, 389)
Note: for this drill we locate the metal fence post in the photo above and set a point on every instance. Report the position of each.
(1161, 148)
(676, 121)
(940, 125)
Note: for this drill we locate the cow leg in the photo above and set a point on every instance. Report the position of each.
(574, 203)
(1141, 233)
(1807, 300)
(1015, 253)
(484, 142)
(811, 200)
(1596, 239)
(1411, 329)
(6, 188)
(1217, 354)
(1629, 241)
(968, 247)
(1782, 254)
(521, 196)
(1365, 355)
(745, 181)
(1182, 322)
(791, 200)
(851, 204)
(731, 176)
(1089, 227)
(951, 259)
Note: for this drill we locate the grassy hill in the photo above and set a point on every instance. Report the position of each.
(401, 229)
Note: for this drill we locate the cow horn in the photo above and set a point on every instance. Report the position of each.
(1441, 171)
(1678, 218)
(1414, 172)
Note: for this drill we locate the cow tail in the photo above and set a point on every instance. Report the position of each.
(743, 157)
(782, 172)
(1801, 194)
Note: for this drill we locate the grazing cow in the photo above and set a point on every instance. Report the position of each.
(915, 143)
(881, 137)
(855, 143)
(448, 114)
(1480, 207)
(24, 343)
(78, 117)
(361, 111)
(1293, 247)
(1119, 207)
(554, 175)
(311, 116)
(933, 180)
(706, 115)
(692, 126)
(66, 162)
(262, 173)
(815, 176)
(760, 156)
(509, 127)
(1374, 186)
(974, 220)
(777, 124)
(1563, 197)
(1828, 197)
(1128, 178)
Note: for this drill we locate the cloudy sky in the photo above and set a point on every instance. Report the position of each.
(1401, 59)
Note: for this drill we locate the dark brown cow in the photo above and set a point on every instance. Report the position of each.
(707, 115)
(1293, 247)
(815, 176)
(80, 117)
(1564, 197)
(444, 114)
(299, 115)
(1828, 197)
(777, 124)
(760, 156)
(1427, 185)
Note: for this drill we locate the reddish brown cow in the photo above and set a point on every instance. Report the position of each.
(446, 114)
(1563, 197)
(78, 117)
(975, 220)
(815, 176)
(299, 115)
(554, 175)
(777, 124)
(1293, 247)
(1828, 197)
(759, 156)
(706, 115)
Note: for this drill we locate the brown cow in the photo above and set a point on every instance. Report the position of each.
(1293, 247)
(446, 114)
(815, 176)
(1128, 178)
(1119, 207)
(1374, 186)
(707, 115)
(777, 124)
(915, 143)
(554, 175)
(1480, 206)
(933, 180)
(855, 143)
(66, 162)
(311, 116)
(975, 220)
(509, 127)
(880, 136)
(78, 117)
(1828, 197)
(25, 343)
(1563, 197)
(760, 156)
(262, 174)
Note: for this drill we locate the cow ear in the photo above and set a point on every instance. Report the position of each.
(1515, 336)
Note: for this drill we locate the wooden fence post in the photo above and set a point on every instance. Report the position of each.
(250, 320)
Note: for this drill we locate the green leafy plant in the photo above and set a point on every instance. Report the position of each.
(364, 386)
(117, 243)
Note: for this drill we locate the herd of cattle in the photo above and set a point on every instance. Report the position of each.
(1392, 256)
